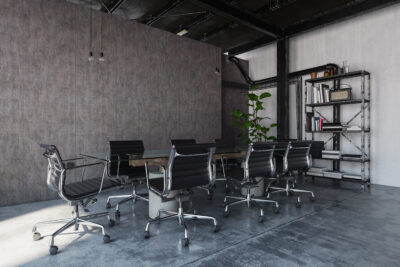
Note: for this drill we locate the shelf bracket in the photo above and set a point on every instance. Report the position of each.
(356, 146)
(355, 116)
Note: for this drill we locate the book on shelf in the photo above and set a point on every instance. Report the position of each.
(319, 94)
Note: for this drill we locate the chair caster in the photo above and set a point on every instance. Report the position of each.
(106, 239)
(216, 228)
(111, 223)
(298, 205)
(117, 214)
(291, 193)
(210, 197)
(276, 210)
(76, 227)
(227, 190)
(186, 242)
(53, 250)
(261, 219)
(146, 234)
(36, 236)
(108, 205)
(312, 198)
(225, 214)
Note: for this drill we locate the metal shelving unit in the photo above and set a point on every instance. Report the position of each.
(364, 133)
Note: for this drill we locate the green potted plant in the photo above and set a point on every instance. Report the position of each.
(251, 121)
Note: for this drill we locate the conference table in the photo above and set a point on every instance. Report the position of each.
(154, 157)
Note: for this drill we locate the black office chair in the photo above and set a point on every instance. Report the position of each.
(76, 193)
(291, 158)
(119, 167)
(258, 163)
(188, 167)
(175, 142)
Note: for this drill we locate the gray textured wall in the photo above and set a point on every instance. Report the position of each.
(153, 86)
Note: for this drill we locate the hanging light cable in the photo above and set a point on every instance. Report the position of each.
(91, 58)
(101, 58)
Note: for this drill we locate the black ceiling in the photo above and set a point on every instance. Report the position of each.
(236, 25)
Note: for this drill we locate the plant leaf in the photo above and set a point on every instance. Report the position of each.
(265, 95)
(273, 125)
(252, 97)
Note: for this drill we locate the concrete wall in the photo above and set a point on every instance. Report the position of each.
(153, 86)
(368, 42)
(232, 98)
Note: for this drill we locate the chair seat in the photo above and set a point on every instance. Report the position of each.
(88, 187)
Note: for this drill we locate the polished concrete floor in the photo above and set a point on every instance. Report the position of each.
(345, 227)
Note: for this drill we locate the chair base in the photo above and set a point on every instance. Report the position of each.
(134, 196)
(75, 221)
(181, 218)
(249, 199)
(289, 190)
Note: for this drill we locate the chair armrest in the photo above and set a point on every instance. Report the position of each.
(73, 159)
(85, 165)
(146, 166)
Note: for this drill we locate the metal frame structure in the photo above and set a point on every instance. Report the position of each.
(365, 135)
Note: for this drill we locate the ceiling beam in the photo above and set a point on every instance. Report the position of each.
(241, 16)
(220, 30)
(250, 45)
(196, 21)
(352, 9)
(161, 12)
(114, 5)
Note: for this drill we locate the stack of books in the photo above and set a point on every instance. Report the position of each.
(317, 124)
(333, 127)
(331, 154)
(319, 94)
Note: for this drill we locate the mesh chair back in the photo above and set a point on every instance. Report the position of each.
(190, 166)
(259, 160)
(176, 142)
(119, 150)
(299, 156)
(55, 168)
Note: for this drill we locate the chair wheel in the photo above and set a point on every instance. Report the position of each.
(291, 193)
(276, 210)
(186, 240)
(108, 205)
(53, 250)
(227, 190)
(117, 215)
(261, 219)
(36, 236)
(225, 214)
(312, 198)
(111, 223)
(146, 234)
(210, 197)
(106, 239)
(216, 228)
(298, 204)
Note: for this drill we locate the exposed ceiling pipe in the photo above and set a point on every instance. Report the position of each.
(292, 75)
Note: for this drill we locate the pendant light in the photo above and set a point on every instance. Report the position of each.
(90, 58)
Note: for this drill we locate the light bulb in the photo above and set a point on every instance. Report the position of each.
(91, 58)
(101, 58)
